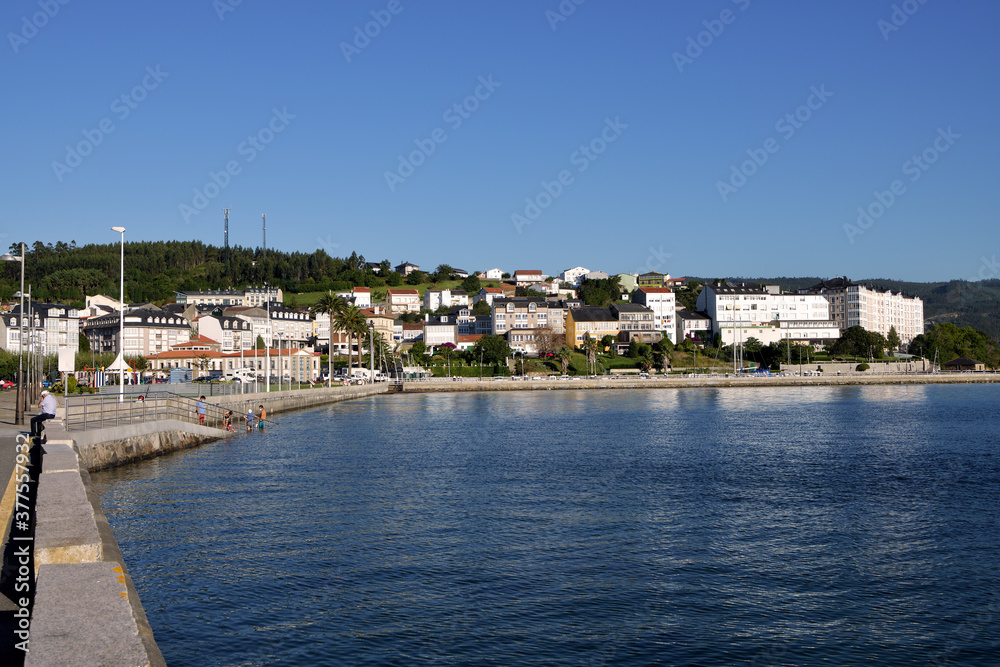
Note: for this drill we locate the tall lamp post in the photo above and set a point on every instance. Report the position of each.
(121, 321)
(19, 406)
(371, 351)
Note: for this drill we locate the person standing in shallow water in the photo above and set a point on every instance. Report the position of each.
(261, 417)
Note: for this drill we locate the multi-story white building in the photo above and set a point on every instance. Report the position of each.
(290, 326)
(524, 278)
(573, 275)
(232, 333)
(663, 303)
(740, 312)
(853, 304)
(435, 298)
(249, 297)
(148, 330)
(359, 296)
(258, 319)
(402, 300)
(519, 313)
(50, 327)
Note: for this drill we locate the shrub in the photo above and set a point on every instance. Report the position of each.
(862, 367)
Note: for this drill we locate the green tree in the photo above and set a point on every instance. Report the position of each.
(494, 349)
(331, 305)
(84, 343)
(418, 349)
(260, 343)
(416, 278)
(351, 321)
(442, 272)
(482, 308)
(892, 340)
(472, 284)
(564, 355)
(610, 344)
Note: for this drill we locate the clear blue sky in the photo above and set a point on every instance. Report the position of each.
(651, 199)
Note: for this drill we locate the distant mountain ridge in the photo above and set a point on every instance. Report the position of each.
(963, 303)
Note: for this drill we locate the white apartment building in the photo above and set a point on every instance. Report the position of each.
(148, 330)
(232, 333)
(852, 304)
(50, 327)
(435, 298)
(573, 275)
(290, 326)
(359, 296)
(400, 300)
(663, 303)
(260, 324)
(739, 313)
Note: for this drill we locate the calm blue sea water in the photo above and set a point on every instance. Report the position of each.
(811, 526)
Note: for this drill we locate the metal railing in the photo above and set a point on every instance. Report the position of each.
(95, 411)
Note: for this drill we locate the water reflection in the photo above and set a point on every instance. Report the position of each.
(714, 526)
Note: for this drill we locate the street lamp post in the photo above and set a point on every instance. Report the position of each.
(371, 351)
(267, 350)
(19, 406)
(121, 321)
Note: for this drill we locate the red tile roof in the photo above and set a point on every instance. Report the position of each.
(656, 290)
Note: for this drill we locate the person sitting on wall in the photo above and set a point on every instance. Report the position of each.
(48, 411)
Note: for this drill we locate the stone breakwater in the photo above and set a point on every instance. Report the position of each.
(109, 447)
(702, 381)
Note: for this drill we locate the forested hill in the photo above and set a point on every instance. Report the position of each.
(963, 303)
(154, 270)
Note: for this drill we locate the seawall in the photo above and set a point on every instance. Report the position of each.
(86, 610)
(701, 381)
(109, 447)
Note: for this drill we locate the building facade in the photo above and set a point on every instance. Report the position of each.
(739, 313)
(519, 313)
(148, 330)
(663, 303)
(48, 327)
(400, 300)
(853, 304)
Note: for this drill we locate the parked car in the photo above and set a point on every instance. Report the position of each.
(6, 384)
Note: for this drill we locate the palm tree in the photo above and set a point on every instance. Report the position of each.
(564, 354)
(331, 305)
(590, 345)
(352, 322)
